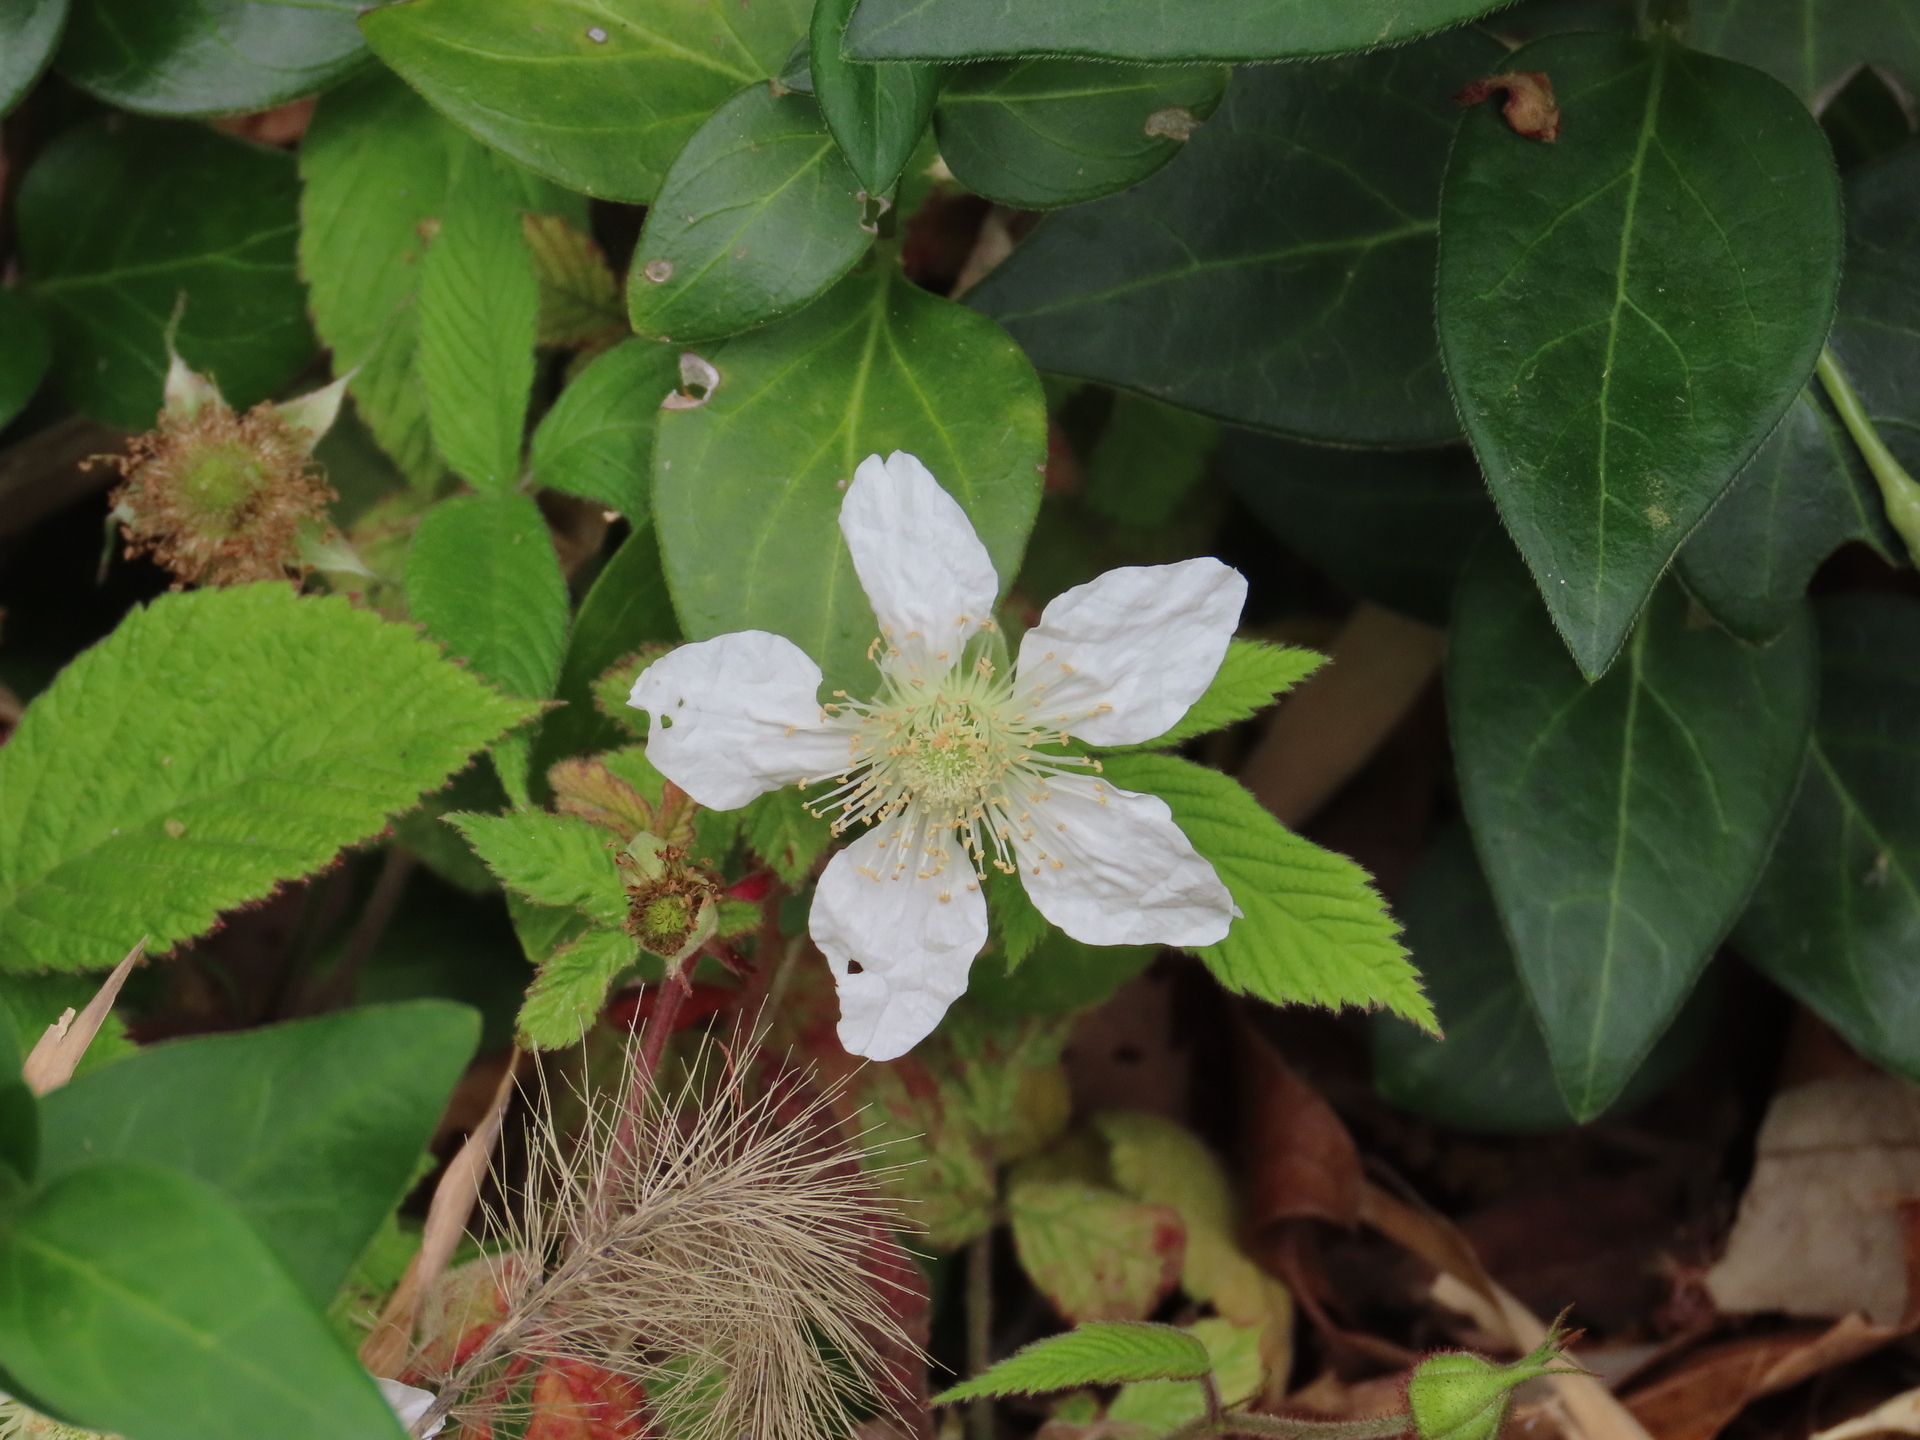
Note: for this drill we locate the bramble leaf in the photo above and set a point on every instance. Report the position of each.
(557, 860)
(571, 988)
(1105, 1352)
(1250, 677)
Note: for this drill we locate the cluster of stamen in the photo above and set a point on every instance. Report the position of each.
(946, 749)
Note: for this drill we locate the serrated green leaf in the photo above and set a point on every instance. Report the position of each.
(214, 57)
(1804, 494)
(597, 440)
(1836, 912)
(571, 989)
(1811, 44)
(1622, 824)
(1143, 29)
(135, 1300)
(1162, 1406)
(377, 164)
(1313, 930)
(1017, 921)
(1043, 133)
(479, 312)
(598, 96)
(1627, 312)
(1393, 526)
(785, 833)
(1491, 1073)
(759, 214)
(215, 744)
(556, 860)
(1094, 1253)
(1253, 673)
(748, 502)
(440, 847)
(544, 929)
(310, 1130)
(1284, 267)
(24, 354)
(610, 693)
(29, 31)
(1105, 1352)
(877, 112)
(191, 213)
(1058, 974)
(483, 577)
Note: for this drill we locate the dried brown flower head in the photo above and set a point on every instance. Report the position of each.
(712, 1262)
(220, 498)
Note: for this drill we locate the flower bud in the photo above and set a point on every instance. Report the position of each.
(1457, 1395)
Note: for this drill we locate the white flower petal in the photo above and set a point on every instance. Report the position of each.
(1110, 867)
(409, 1403)
(925, 572)
(900, 944)
(1143, 642)
(737, 716)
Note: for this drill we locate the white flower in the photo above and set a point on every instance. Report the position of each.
(955, 762)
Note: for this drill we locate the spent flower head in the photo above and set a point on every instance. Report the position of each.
(960, 760)
(220, 498)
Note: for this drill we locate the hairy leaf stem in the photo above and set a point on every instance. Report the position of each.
(1898, 490)
(1287, 1427)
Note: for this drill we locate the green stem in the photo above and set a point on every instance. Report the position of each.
(1898, 490)
(1285, 1427)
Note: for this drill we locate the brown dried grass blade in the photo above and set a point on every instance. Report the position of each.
(53, 1059)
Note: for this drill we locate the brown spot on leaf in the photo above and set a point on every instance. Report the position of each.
(1529, 108)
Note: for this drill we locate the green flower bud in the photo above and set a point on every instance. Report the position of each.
(1457, 1395)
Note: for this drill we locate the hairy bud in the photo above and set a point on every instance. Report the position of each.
(1457, 1395)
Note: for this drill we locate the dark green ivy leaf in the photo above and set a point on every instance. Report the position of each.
(1627, 312)
(1810, 44)
(876, 112)
(29, 31)
(1622, 823)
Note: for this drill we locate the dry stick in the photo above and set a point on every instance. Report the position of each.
(980, 1330)
(51, 1062)
(384, 1350)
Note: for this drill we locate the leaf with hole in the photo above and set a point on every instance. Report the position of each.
(215, 57)
(312, 1130)
(759, 214)
(217, 743)
(747, 486)
(1804, 494)
(1043, 133)
(1627, 312)
(1622, 823)
(483, 577)
(120, 220)
(1837, 914)
(1312, 930)
(1140, 29)
(1281, 274)
(877, 112)
(598, 96)
(135, 1299)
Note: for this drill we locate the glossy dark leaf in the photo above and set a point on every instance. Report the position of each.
(876, 112)
(1491, 1072)
(122, 219)
(210, 57)
(1876, 333)
(1811, 44)
(483, 578)
(24, 354)
(597, 96)
(1837, 915)
(1280, 274)
(136, 1300)
(759, 214)
(1394, 527)
(1142, 29)
(747, 486)
(1627, 312)
(1622, 823)
(1802, 496)
(29, 31)
(1044, 133)
(312, 1131)
(597, 440)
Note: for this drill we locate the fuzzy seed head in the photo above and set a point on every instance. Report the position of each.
(19, 1422)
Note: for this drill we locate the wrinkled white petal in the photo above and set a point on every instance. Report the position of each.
(900, 944)
(1110, 867)
(1120, 659)
(925, 572)
(735, 717)
(410, 1403)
